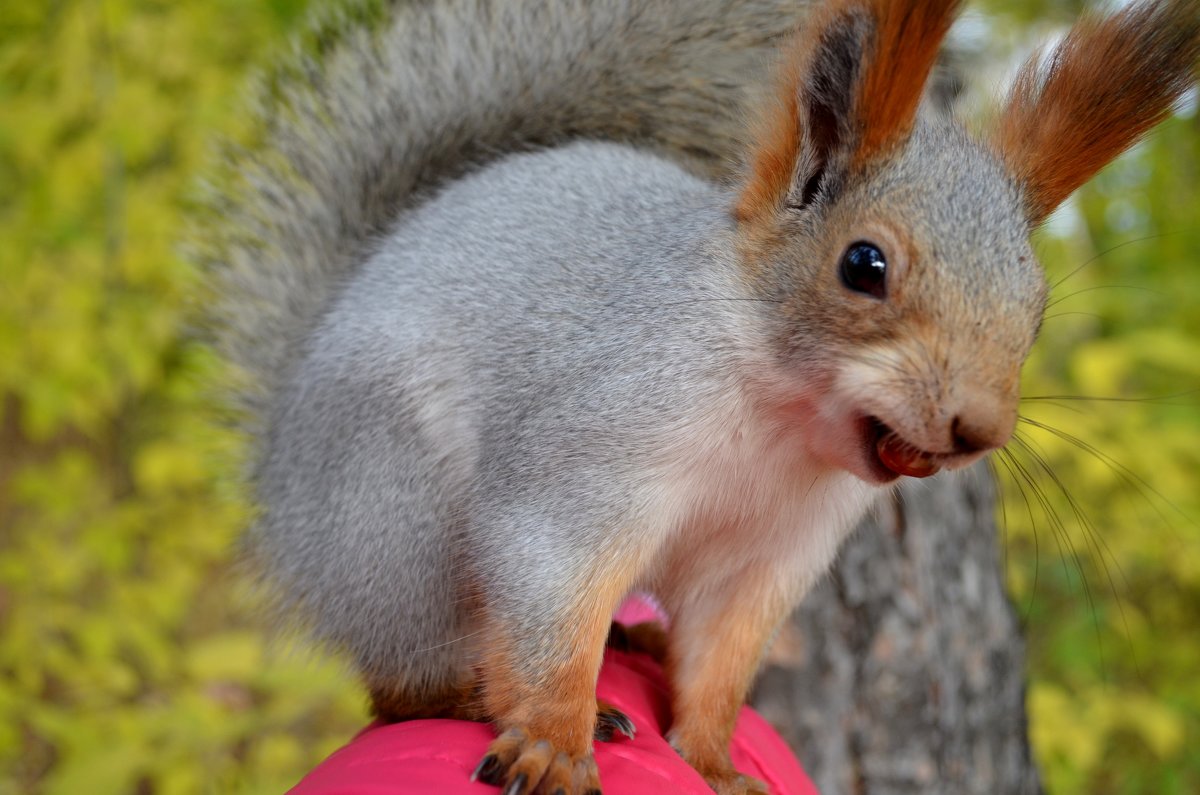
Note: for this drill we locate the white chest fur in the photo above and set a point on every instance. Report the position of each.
(742, 493)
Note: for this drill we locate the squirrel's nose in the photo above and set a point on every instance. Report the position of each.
(984, 423)
(978, 432)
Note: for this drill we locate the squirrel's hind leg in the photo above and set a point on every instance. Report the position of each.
(464, 702)
(539, 682)
(459, 700)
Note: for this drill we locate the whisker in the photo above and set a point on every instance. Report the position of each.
(1005, 457)
(1056, 523)
(1130, 477)
(1092, 537)
(1062, 298)
(1108, 399)
(1067, 314)
(707, 301)
(1057, 405)
(1054, 285)
(995, 476)
(450, 642)
(1061, 535)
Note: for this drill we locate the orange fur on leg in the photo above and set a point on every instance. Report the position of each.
(540, 690)
(554, 693)
(714, 653)
(392, 704)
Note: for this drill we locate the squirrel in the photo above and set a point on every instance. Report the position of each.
(536, 304)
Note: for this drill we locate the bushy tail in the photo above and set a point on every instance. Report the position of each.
(384, 100)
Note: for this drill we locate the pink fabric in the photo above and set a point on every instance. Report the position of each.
(438, 755)
(640, 608)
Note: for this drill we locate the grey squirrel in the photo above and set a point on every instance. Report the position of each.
(529, 316)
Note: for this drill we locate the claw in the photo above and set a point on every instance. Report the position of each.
(624, 724)
(609, 719)
(488, 770)
(517, 785)
(521, 764)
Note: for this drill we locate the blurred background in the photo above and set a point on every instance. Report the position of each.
(131, 659)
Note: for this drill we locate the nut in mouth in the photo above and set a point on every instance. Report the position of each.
(896, 456)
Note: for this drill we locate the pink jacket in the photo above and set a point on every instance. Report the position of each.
(437, 756)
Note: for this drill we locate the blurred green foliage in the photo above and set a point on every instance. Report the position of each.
(1106, 566)
(1104, 563)
(129, 661)
(1114, 623)
(126, 664)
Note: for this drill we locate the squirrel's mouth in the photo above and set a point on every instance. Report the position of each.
(890, 456)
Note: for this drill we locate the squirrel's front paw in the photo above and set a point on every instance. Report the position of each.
(719, 772)
(520, 763)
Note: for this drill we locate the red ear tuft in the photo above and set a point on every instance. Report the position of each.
(777, 145)
(1102, 89)
(850, 87)
(908, 36)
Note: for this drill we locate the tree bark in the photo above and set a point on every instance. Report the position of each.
(903, 672)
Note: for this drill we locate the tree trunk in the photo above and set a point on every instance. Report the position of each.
(903, 671)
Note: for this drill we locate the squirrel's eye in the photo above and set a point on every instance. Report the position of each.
(864, 270)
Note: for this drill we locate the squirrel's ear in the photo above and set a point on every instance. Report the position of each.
(849, 90)
(1108, 82)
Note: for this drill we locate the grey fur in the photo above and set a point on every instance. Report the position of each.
(394, 97)
(470, 398)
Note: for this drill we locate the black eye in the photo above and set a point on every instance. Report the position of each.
(864, 270)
